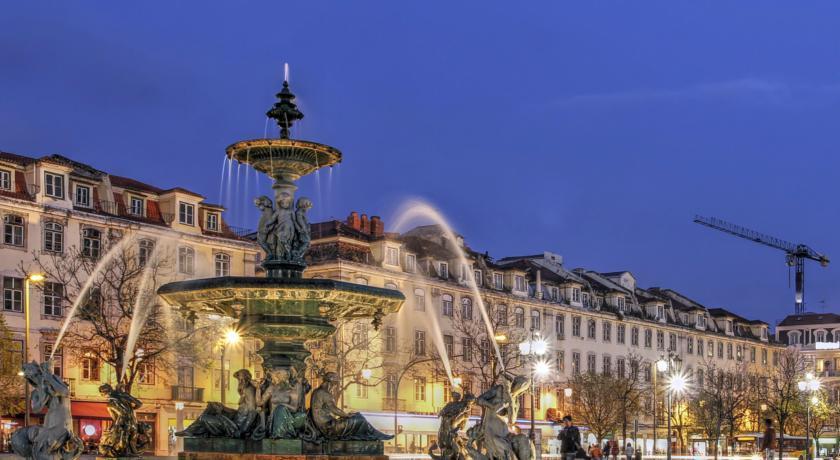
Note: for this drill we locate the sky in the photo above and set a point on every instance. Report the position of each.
(595, 130)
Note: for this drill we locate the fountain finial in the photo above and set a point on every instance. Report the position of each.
(285, 111)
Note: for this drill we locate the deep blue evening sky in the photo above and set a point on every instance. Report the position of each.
(594, 129)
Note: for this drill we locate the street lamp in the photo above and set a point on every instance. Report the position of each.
(659, 366)
(32, 278)
(231, 337)
(534, 348)
(367, 374)
(677, 384)
(809, 385)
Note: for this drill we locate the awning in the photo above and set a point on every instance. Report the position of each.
(89, 409)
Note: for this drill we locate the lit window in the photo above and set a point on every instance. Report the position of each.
(91, 243)
(420, 389)
(136, 206)
(13, 230)
(54, 185)
(186, 213)
(146, 373)
(222, 264)
(5, 180)
(53, 298)
(53, 237)
(82, 197)
(12, 294)
(212, 222)
(90, 369)
(186, 260)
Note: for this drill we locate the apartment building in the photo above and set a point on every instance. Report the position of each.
(52, 203)
(592, 321)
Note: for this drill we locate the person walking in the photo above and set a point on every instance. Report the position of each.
(768, 441)
(569, 439)
(628, 451)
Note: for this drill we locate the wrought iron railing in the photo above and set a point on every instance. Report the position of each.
(189, 394)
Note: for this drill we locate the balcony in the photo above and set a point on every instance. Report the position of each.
(187, 394)
(389, 403)
(21, 191)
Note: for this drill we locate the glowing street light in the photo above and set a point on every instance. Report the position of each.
(542, 368)
(678, 383)
(366, 374)
(457, 381)
(567, 392)
(500, 338)
(232, 337)
(662, 365)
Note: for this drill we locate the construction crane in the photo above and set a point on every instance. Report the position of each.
(795, 253)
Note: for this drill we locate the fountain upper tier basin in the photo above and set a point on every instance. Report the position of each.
(237, 296)
(285, 159)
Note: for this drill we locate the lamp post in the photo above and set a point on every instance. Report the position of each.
(660, 366)
(677, 383)
(809, 385)
(33, 278)
(231, 337)
(533, 348)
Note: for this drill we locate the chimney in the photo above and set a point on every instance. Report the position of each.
(365, 224)
(539, 293)
(377, 227)
(353, 220)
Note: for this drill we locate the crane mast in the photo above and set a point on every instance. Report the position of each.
(795, 254)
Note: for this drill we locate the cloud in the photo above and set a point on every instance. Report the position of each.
(748, 90)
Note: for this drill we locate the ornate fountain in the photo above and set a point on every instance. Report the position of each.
(283, 310)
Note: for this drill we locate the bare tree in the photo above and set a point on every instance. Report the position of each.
(11, 385)
(823, 412)
(592, 393)
(720, 402)
(629, 390)
(782, 395)
(112, 290)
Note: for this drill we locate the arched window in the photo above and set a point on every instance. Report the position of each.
(502, 315)
(53, 237)
(222, 263)
(360, 280)
(446, 304)
(535, 320)
(391, 286)
(519, 317)
(13, 230)
(91, 243)
(419, 299)
(144, 252)
(186, 260)
(466, 308)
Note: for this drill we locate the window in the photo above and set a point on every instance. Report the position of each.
(620, 333)
(700, 343)
(620, 368)
(720, 350)
(82, 196)
(391, 386)
(57, 361)
(446, 304)
(186, 260)
(561, 361)
(466, 348)
(410, 263)
(739, 353)
(13, 230)
(729, 354)
(146, 373)
(12, 294)
(466, 308)
(560, 325)
(53, 237)
(634, 336)
(576, 326)
(222, 263)
(419, 299)
(420, 343)
(136, 206)
(90, 369)
(498, 281)
(591, 363)
(689, 345)
(186, 213)
(519, 283)
(576, 295)
(53, 298)
(212, 222)
(519, 317)
(443, 270)
(5, 180)
(54, 185)
(820, 336)
(764, 356)
(535, 320)
(648, 372)
(554, 293)
(484, 349)
(420, 389)
(91, 243)
(606, 365)
(479, 280)
(575, 362)
(449, 346)
(620, 303)
(359, 336)
(144, 252)
(390, 340)
(502, 315)
(660, 312)
(392, 256)
(606, 331)
(711, 349)
(648, 338)
(701, 321)
(672, 342)
(660, 340)
(361, 391)
(591, 329)
(585, 299)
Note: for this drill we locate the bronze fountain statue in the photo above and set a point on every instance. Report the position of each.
(284, 311)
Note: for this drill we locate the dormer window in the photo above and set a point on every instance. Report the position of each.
(479, 279)
(555, 293)
(585, 299)
(764, 333)
(82, 196)
(136, 206)
(54, 185)
(5, 180)
(410, 263)
(701, 321)
(660, 312)
(392, 256)
(728, 326)
(186, 213)
(519, 283)
(793, 338)
(498, 281)
(576, 295)
(212, 222)
(620, 303)
(443, 270)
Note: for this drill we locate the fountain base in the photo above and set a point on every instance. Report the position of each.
(230, 448)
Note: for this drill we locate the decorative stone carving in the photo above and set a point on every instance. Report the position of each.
(126, 437)
(333, 423)
(453, 420)
(54, 439)
(218, 421)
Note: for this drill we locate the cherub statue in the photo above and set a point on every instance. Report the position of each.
(453, 419)
(302, 230)
(126, 437)
(268, 222)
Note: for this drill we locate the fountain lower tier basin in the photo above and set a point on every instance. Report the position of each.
(228, 448)
(288, 159)
(283, 313)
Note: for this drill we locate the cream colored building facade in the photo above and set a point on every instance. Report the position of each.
(51, 203)
(592, 321)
